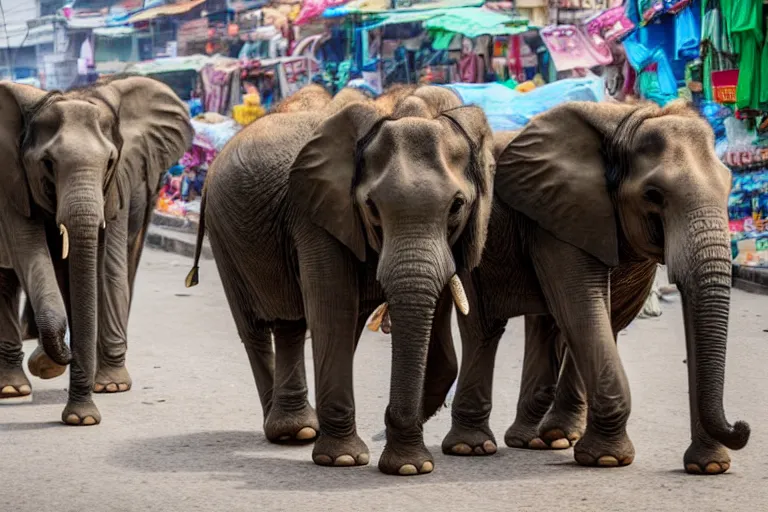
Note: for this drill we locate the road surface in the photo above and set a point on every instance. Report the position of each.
(188, 436)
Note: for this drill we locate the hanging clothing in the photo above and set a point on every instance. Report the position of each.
(744, 25)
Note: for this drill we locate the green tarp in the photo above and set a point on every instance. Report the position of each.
(474, 22)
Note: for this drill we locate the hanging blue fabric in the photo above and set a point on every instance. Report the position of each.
(687, 35)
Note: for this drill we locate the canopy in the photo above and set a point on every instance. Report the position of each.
(380, 7)
(172, 64)
(475, 21)
(164, 10)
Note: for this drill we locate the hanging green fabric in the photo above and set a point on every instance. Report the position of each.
(764, 75)
(744, 24)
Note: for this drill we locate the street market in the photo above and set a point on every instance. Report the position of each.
(504, 243)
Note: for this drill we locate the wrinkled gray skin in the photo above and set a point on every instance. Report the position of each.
(574, 240)
(90, 160)
(302, 237)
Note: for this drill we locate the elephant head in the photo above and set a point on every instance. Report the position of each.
(414, 187)
(623, 181)
(75, 158)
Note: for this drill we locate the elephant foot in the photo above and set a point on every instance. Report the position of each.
(42, 366)
(464, 441)
(344, 451)
(290, 426)
(406, 460)
(81, 414)
(525, 435)
(110, 379)
(706, 459)
(598, 451)
(14, 383)
(560, 430)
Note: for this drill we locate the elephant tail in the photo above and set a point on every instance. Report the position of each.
(193, 278)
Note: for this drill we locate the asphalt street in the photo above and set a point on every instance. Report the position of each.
(188, 436)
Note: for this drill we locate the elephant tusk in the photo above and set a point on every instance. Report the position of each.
(65, 241)
(378, 317)
(459, 295)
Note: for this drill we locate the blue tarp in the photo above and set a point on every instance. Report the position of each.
(507, 109)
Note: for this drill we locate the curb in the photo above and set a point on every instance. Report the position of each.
(175, 235)
(751, 279)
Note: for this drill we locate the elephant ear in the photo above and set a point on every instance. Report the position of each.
(553, 172)
(473, 124)
(153, 124)
(322, 176)
(15, 101)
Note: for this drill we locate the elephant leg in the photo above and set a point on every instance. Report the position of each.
(576, 287)
(442, 366)
(537, 386)
(138, 223)
(470, 432)
(28, 326)
(564, 423)
(13, 380)
(39, 364)
(331, 305)
(111, 374)
(291, 418)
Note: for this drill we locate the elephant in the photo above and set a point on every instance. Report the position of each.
(84, 170)
(590, 197)
(314, 219)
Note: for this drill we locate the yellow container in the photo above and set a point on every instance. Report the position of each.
(246, 114)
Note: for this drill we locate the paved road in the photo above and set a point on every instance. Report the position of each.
(188, 436)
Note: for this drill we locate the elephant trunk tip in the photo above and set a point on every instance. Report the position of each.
(735, 437)
(55, 347)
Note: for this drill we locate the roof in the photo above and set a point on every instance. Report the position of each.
(164, 10)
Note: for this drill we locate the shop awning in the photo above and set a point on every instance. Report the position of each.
(114, 32)
(474, 22)
(373, 7)
(164, 10)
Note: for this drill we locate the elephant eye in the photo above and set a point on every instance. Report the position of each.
(372, 208)
(456, 206)
(654, 196)
(48, 164)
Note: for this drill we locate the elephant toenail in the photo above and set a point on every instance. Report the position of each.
(693, 468)
(560, 444)
(123, 387)
(73, 419)
(25, 389)
(584, 459)
(713, 468)
(537, 444)
(98, 387)
(89, 420)
(323, 460)
(407, 470)
(363, 459)
(607, 461)
(427, 467)
(8, 390)
(112, 387)
(344, 460)
(461, 449)
(489, 447)
(306, 433)
(479, 450)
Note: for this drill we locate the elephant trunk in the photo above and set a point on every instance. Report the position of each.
(703, 263)
(81, 216)
(413, 272)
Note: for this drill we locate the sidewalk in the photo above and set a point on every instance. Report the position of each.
(751, 279)
(175, 235)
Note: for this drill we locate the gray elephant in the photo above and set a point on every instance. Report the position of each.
(314, 219)
(84, 169)
(590, 197)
